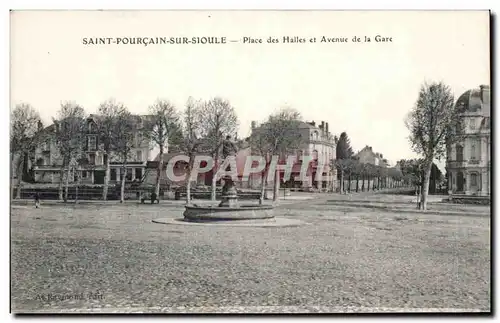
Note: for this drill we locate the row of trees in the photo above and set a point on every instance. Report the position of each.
(350, 167)
(203, 125)
(202, 128)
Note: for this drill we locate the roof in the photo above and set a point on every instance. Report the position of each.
(307, 125)
(471, 100)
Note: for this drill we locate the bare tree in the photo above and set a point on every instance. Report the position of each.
(109, 112)
(25, 124)
(70, 139)
(219, 120)
(278, 136)
(431, 124)
(161, 128)
(189, 140)
(345, 166)
(123, 141)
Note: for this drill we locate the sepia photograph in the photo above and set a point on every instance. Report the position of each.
(250, 161)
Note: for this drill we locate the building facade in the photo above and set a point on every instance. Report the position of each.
(468, 161)
(319, 145)
(48, 161)
(368, 156)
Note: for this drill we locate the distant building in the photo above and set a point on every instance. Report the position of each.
(48, 161)
(319, 145)
(468, 162)
(368, 156)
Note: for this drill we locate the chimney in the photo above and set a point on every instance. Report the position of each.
(381, 156)
(322, 125)
(312, 123)
(254, 125)
(483, 90)
(326, 129)
(40, 125)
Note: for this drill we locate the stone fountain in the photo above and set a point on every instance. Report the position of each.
(229, 208)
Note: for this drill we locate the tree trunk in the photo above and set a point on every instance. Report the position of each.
(349, 186)
(106, 178)
(19, 179)
(12, 171)
(66, 184)
(79, 178)
(158, 172)
(263, 185)
(213, 195)
(425, 187)
(188, 184)
(61, 179)
(341, 181)
(357, 183)
(122, 186)
(276, 190)
(363, 184)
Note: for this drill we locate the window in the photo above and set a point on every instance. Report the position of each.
(139, 155)
(315, 155)
(46, 145)
(84, 174)
(139, 139)
(300, 155)
(138, 173)
(473, 124)
(105, 159)
(460, 153)
(92, 143)
(92, 159)
(473, 179)
(113, 174)
(473, 150)
(129, 174)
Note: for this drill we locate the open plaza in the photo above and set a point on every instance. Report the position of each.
(346, 253)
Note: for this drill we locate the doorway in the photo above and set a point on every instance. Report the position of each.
(460, 182)
(474, 183)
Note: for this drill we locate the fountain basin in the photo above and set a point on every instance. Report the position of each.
(223, 213)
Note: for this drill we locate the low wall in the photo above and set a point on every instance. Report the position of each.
(467, 199)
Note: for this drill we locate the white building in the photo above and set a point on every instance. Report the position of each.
(469, 161)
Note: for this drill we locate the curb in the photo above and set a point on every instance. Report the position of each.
(405, 210)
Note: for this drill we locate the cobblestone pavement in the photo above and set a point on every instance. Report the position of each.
(112, 258)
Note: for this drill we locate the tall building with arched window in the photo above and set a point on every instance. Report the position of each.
(469, 161)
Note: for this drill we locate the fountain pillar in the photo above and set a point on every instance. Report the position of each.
(229, 193)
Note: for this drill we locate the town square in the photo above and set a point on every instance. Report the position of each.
(346, 257)
(220, 171)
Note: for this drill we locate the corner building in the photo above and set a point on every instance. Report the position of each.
(468, 162)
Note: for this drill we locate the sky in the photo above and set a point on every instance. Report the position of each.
(363, 88)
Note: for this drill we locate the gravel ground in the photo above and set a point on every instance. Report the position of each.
(112, 258)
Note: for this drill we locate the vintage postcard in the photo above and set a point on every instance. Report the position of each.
(217, 161)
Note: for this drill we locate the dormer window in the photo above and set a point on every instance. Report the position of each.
(92, 142)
